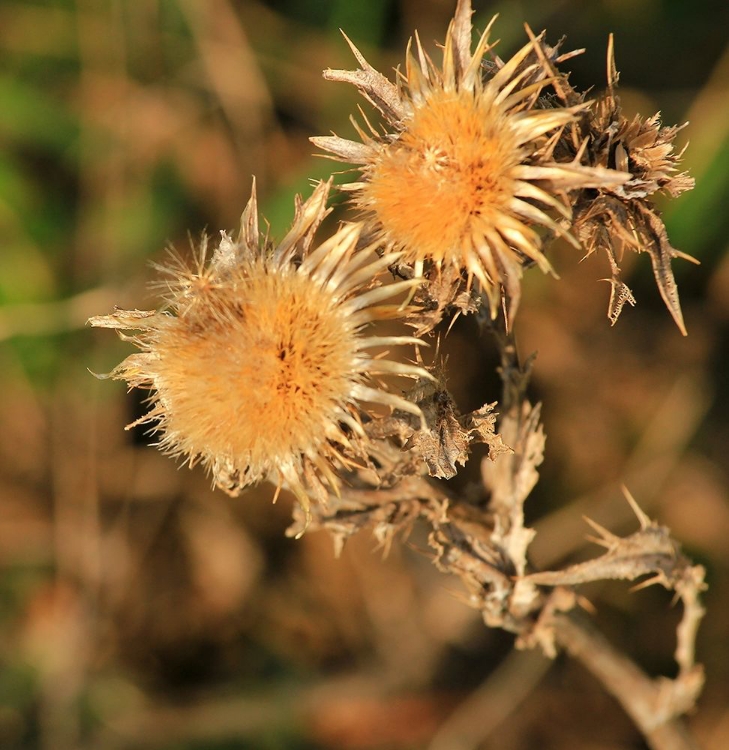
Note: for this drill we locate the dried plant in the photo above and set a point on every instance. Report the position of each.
(469, 147)
(261, 335)
(623, 217)
(260, 364)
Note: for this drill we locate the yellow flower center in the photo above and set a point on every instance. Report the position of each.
(447, 172)
(258, 373)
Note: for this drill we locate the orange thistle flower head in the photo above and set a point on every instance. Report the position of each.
(464, 176)
(259, 365)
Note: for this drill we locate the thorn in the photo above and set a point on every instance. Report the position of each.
(358, 55)
(597, 540)
(643, 518)
(652, 581)
(686, 256)
(612, 71)
(453, 320)
(586, 604)
(580, 152)
(605, 535)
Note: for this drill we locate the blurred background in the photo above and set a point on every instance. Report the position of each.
(140, 609)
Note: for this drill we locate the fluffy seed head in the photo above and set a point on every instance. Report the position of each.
(259, 365)
(465, 176)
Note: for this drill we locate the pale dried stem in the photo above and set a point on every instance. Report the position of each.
(643, 699)
(485, 546)
(654, 705)
(514, 375)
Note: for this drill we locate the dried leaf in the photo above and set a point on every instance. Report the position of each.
(661, 253)
(481, 425)
(442, 442)
(620, 295)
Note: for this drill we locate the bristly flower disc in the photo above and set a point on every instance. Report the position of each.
(464, 177)
(259, 364)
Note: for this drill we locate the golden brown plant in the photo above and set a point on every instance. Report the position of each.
(259, 365)
(464, 177)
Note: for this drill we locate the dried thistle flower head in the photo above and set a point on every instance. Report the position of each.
(620, 217)
(464, 177)
(259, 364)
